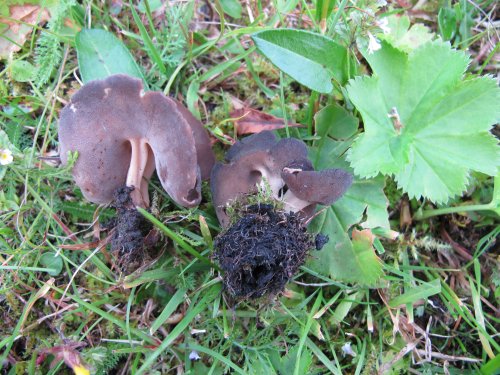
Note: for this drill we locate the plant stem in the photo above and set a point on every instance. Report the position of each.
(421, 215)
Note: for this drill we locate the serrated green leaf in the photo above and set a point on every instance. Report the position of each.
(404, 37)
(340, 258)
(101, 54)
(311, 59)
(423, 123)
(343, 260)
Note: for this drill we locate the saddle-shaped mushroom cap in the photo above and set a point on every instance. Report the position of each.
(122, 134)
(285, 167)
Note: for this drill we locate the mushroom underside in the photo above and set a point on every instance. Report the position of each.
(122, 134)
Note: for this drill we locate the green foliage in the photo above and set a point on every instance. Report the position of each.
(52, 261)
(212, 67)
(48, 53)
(412, 295)
(103, 360)
(336, 122)
(101, 54)
(22, 71)
(287, 363)
(423, 123)
(232, 8)
(311, 59)
(406, 37)
(342, 258)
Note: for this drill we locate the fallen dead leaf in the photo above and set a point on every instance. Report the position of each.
(250, 121)
(67, 353)
(14, 30)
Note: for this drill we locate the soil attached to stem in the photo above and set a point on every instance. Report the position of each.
(130, 231)
(262, 251)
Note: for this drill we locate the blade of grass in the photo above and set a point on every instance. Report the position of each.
(176, 238)
(306, 329)
(148, 43)
(109, 317)
(127, 321)
(208, 297)
(420, 292)
(26, 269)
(29, 305)
(478, 310)
(132, 281)
(322, 357)
(172, 305)
(217, 356)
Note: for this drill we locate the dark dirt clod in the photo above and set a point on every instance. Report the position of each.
(262, 251)
(321, 240)
(130, 231)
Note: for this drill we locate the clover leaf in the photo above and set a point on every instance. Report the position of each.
(424, 123)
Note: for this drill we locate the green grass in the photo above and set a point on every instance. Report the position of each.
(434, 311)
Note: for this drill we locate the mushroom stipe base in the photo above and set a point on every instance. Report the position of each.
(131, 228)
(261, 251)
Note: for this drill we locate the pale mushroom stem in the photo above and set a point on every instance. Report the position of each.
(293, 203)
(138, 164)
(271, 181)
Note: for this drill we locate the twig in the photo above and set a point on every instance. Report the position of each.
(447, 357)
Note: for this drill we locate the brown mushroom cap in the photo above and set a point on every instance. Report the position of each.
(316, 187)
(121, 135)
(281, 163)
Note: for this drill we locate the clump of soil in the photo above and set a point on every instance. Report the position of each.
(130, 231)
(262, 251)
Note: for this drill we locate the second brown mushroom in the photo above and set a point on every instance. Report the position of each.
(282, 165)
(263, 244)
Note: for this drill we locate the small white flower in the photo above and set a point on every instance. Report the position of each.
(373, 43)
(381, 3)
(384, 25)
(193, 356)
(347, 350)
(6, 157)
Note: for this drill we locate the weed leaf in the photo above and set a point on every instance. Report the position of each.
(311, 59)
(423, 122)
(411, 296)
(52, 261)
(404, 37)
(101, 54)
(343, 259)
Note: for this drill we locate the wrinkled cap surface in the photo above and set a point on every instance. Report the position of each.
(105, 117)
(284, 165)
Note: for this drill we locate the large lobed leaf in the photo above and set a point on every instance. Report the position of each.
(443, 127)
(342, 259)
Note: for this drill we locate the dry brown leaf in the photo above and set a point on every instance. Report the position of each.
(13, 37)
(250, 121)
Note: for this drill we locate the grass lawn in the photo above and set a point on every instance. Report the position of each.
(409, 281)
